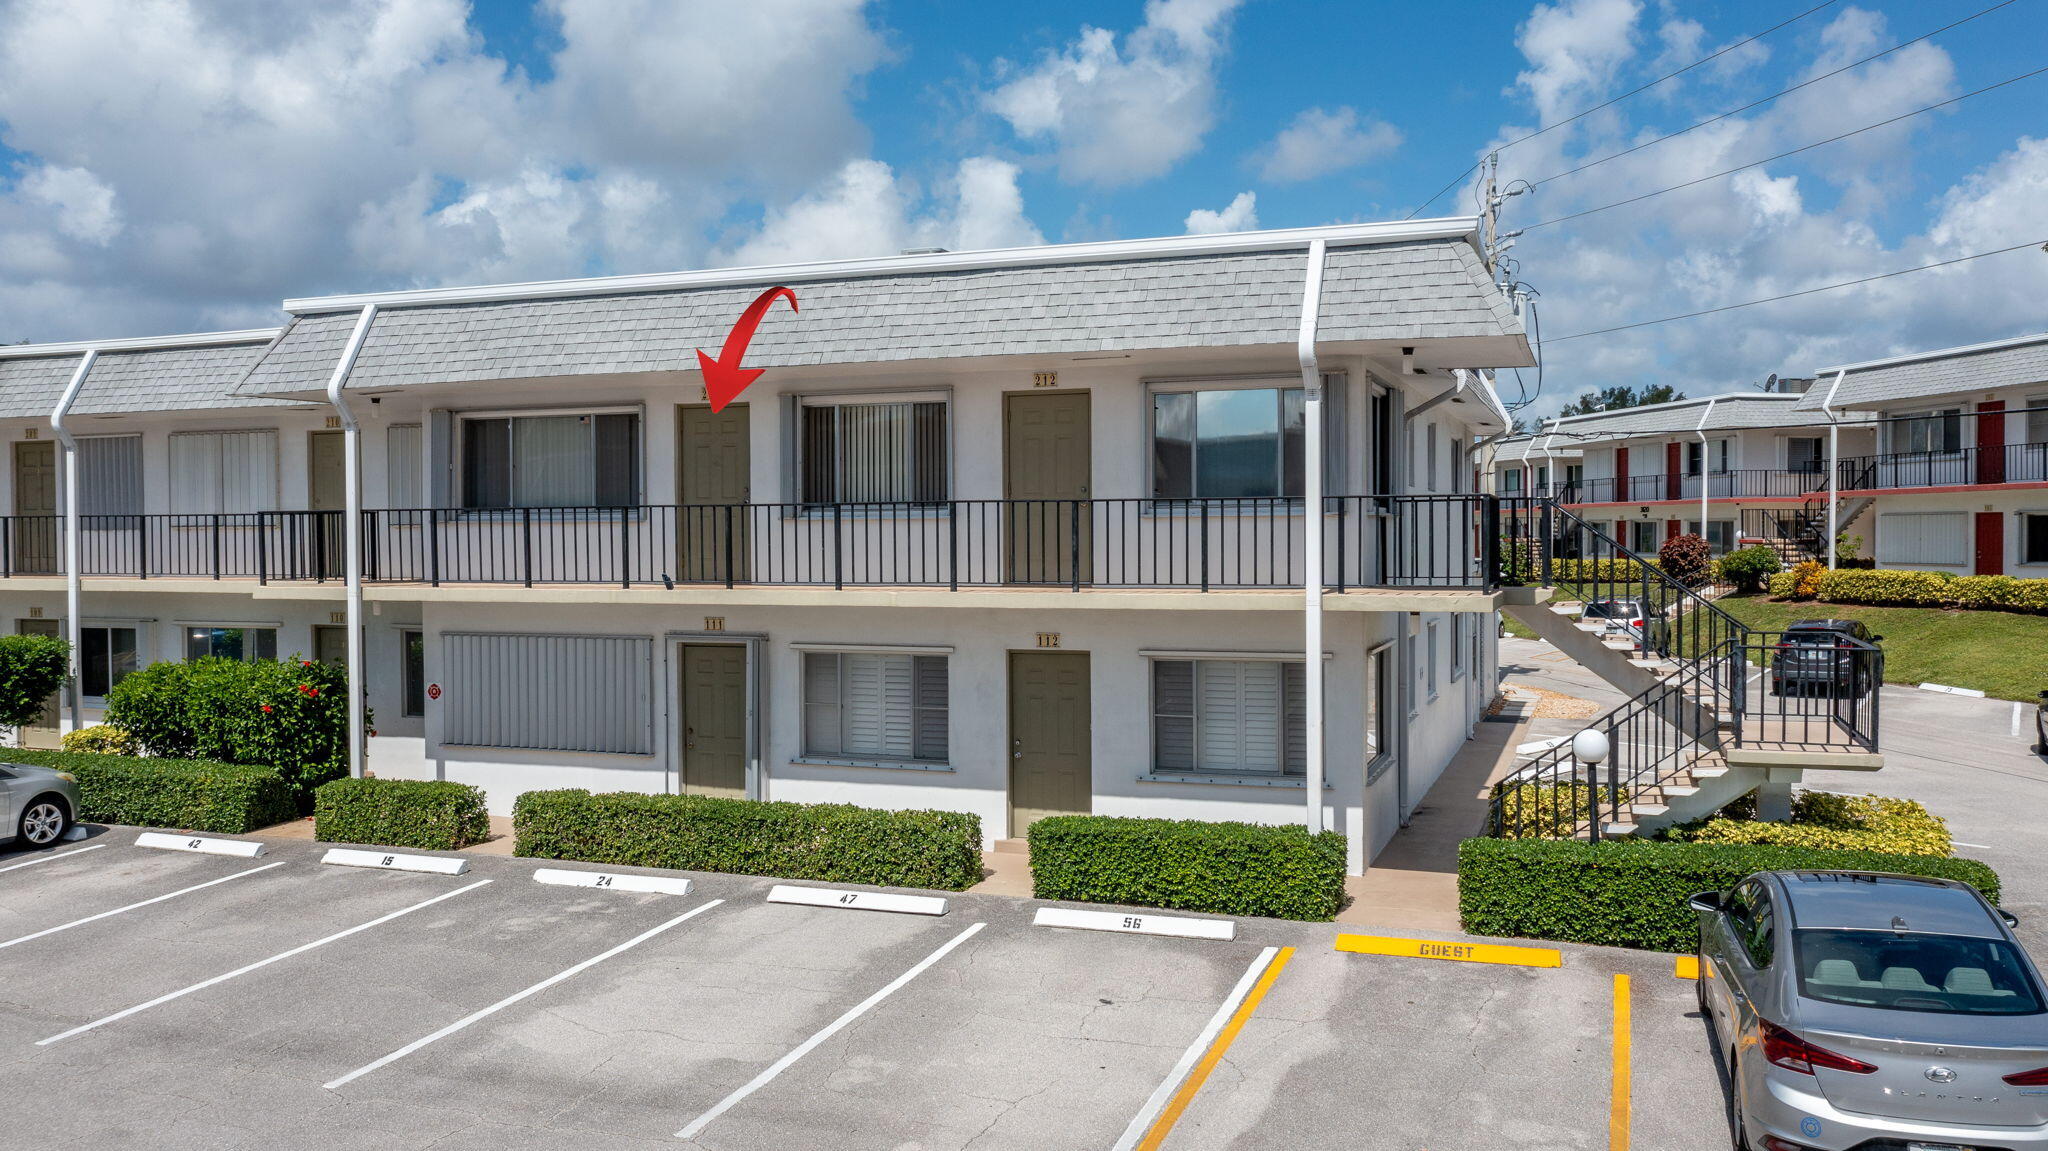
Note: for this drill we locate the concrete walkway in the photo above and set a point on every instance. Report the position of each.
(1413, 885)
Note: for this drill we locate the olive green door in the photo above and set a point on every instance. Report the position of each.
(712, 487)
(327, 497)
(1047, 524)
(44, 732)
(714, 709)
(1049, 737)
(35, 500)
(330, 644)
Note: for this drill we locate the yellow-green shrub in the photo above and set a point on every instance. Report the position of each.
(1886, 587)
(1833, 822)
(101, 739)
(1545, 810)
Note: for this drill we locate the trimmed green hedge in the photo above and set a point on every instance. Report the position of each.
(1630, 894)
(1188, 865)
(431, 814)
(834, 842)
(1829, 820)
(188, 794)
(1886, 587)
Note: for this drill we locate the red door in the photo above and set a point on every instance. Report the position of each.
(1672, 528)
(1673, 466)
(1990, 543)
(1991, 442)
(1621, 474)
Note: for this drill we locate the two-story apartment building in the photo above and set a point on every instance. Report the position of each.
(1540, 465)
(1959, 466)
(1016, 532)
(1736, 463)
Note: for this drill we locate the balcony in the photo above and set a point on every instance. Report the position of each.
(1741, 483)
(1370, 542)
(1999, 464)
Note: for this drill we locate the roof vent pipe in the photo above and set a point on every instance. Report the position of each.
(73, 590)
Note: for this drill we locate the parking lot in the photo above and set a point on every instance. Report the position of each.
(178, 1000)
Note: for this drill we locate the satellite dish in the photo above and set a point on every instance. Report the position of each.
(1771, 382)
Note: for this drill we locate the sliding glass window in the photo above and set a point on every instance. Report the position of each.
(585, 459)
(1227, 443)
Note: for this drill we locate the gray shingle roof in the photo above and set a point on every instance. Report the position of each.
(1531, 448)
(1742, 410)
(138, 380)
(1937, 375)
(1407, 290)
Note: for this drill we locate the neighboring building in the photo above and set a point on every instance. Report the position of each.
(1747, 464)
(1959, 468)
(1536, 466)
(1011, 532)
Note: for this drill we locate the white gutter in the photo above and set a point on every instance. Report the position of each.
(141, 343)
(1272, 240)
(1834, 480)
(1706, 463)
(1312, 506)
(73, 585)
(352, 532)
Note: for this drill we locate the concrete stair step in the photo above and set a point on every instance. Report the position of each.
(1679, 791)
(1709, 772)
(1617, 830)
(1013, 846)
(1649, 810)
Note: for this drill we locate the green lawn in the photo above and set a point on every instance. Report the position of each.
(1999, 653)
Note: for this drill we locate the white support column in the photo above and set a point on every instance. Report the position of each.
(1706, 464)
(74, 698)
(1312, 527)
(1834, 477)
(352, 532)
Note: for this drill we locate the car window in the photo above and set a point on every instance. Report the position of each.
(1759, 941)
(1741, 912)
(6, 773)
(1947, 974)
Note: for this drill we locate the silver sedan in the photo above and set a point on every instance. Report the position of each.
(37, 804)
(1862, 1010)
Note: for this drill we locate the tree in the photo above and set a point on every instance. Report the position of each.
(1620, 396)
(32, 667)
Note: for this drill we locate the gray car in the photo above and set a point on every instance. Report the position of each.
(1869, 1011)
(37, 804)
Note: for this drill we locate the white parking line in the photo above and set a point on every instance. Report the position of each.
(509, 1000)
(807, 1046)
(133, 906)
(1166, 1088)
(47, 858)
(1972, 846)
(282, 955)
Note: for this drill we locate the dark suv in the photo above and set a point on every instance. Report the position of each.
(2041, 724)
(1820, 657)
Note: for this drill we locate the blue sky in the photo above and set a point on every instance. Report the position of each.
(173, 165)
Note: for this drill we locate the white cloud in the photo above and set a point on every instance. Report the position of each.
(1574, 48)
(224, 156)
(1240, 215)
(1319, 142)
(866, 210)
(83, 204)
(1120, 115)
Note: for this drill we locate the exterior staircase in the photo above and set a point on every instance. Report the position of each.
(1676, 746)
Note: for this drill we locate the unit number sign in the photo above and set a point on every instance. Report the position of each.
(1048, 639)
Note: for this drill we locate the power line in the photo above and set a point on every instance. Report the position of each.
(2041, 243)
(1772, 96)
(1618, 99)
(1792, 152)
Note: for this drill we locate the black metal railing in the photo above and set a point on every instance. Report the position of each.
(1650, 740)
(1740, 483)
(1403, 541)
(1814, 691)
(1994, 464)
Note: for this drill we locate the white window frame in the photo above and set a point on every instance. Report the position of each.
(1432, 634)
(2020, 527)
(1905, 423)
(91, 492)
(1382, 700)
(857, 757)
(187, 627)
(1820, 454)
(142, 637)
(459, 449)
(1199, 772)
(1334, 384)
(414, 492)
(2034, 430)
(1460, 626)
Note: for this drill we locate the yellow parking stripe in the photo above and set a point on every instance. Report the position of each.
(1687, 967)
(1193, 1083)
(1457, 952)
(1619, 1108)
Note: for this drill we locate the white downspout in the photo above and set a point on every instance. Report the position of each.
(73, 587)
(1706, 463)
(1312, 507)
(352, 532)
(1834, 478)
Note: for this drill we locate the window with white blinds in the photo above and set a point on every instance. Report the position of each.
(589, 693)
(228, 472)
(109, 476)
(881, 452)
(402, 466)
(884, 706)
(1922, 538)
(1223, 715)
(585, 459)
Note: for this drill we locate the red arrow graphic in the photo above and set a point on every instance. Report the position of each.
(724, 379)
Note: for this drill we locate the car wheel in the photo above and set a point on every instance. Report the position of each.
(1738, 1126)
(44, 823)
